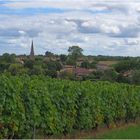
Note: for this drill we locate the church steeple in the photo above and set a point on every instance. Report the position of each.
(32, 49)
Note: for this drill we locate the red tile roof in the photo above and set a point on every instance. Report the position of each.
(81, 71)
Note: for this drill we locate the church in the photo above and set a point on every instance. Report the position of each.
(32, 54)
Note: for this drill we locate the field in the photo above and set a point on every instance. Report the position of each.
(123, 131)
(130, 132)
(39, 105)
(108, 63)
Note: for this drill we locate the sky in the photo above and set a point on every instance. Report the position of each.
(99, 27)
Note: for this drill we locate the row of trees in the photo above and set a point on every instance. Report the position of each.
(38, 65)
(113, 76)
(51, 64)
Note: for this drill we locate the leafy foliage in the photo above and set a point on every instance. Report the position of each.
(127, 65)
(36, 104)
(75, 52)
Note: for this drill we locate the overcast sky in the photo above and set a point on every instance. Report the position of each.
(105, 27)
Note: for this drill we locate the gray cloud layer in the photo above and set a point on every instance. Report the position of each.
(110, 27)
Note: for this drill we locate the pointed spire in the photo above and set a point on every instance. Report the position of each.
(32, 49)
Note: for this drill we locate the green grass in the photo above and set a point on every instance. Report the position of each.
(131, 132)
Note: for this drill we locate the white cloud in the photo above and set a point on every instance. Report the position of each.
(99, 27)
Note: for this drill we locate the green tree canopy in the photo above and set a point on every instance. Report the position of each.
(75, 51)
(8, 58)
(135, 78)
(63, 57)
(17, 69)
(53, 65)
(48, 54)
(85, 64)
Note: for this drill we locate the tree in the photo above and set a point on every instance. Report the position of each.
(71, 61)
(51, 73)
(63, 58)
(8, 58)
(37, 70)
(93, 64)
(135, 78)
(29, 63)
(17, 69)
(85, 64)
(126, 65)
(94, 76)
(4, 66)
(5, 61)
(53, 65)
(110, 75)
(48, 54)
(123, 79)
(75, 52)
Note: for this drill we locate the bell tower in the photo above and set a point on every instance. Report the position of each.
(32, 50)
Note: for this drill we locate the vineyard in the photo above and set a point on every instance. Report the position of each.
(39, 105)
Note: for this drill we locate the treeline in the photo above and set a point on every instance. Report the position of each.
(124, 69)
(111, 58)
(39, 106)
(20, 65)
